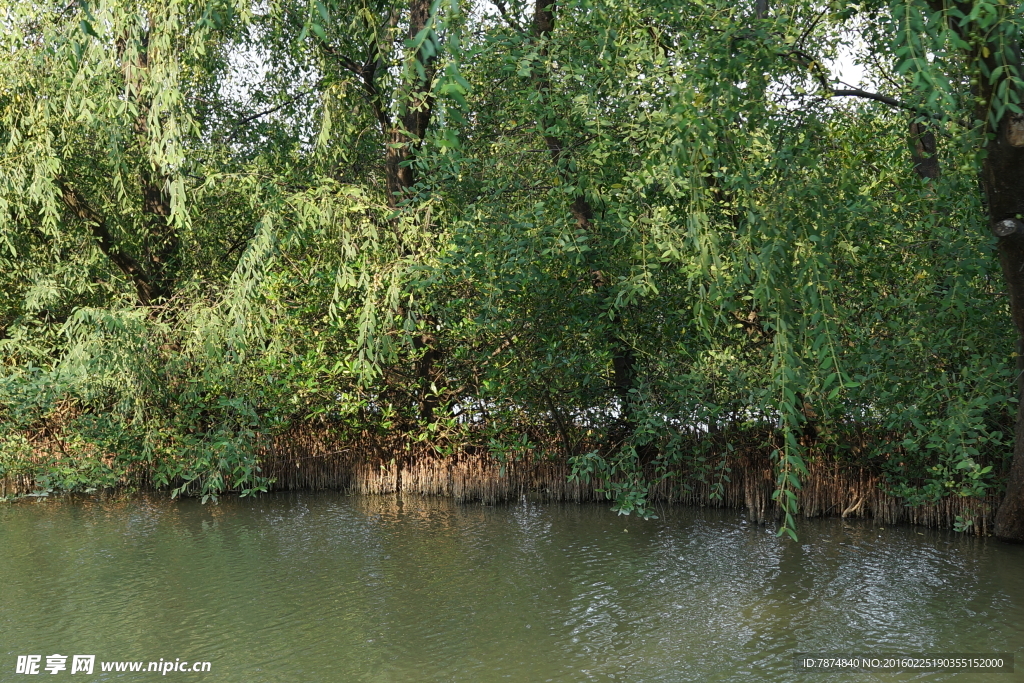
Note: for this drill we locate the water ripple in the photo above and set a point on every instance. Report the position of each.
(321, 587)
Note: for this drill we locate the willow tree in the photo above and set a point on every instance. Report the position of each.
(743, 213)
(959, 64)
(145, 204)
(983, 40)
(649, 238)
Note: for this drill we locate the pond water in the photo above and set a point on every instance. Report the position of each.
(324, 587)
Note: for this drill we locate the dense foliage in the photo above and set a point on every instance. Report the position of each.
(637, 235)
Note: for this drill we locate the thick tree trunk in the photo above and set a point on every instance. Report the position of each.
(161, 238)
(415, 108)
(1009, 524)
(1003, 177)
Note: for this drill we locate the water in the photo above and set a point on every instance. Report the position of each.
(323, 587)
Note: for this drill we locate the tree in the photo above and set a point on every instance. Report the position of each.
(652, 240)
(962, 61)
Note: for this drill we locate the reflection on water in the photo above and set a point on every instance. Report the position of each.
(322, 587)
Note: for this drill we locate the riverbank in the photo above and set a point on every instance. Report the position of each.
(830, 489)
(307, 460)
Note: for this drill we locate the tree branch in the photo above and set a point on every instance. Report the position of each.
(864, 94)
(98, 226)
(266, 112)
(367, 74)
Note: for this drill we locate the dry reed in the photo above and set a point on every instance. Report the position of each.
(305, 459)
(309, 458)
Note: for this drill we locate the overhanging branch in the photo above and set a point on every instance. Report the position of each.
(73, 199)
(876, 97)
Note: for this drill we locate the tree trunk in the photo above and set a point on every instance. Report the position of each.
(1003, 178)
(415, 108)
(924, 151)
(623, 357)
(153, 271)
(403, 134)
(161, 238)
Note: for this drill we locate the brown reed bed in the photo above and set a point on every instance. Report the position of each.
(305, 459)
(310, 458)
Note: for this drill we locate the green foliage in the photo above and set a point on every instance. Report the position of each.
(762, 270)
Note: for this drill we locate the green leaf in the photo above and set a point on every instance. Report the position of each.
(322, 9)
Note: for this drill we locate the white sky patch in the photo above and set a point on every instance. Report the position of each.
(845, 69)
(248, 68)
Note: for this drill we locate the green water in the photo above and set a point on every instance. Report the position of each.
(322, 587)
